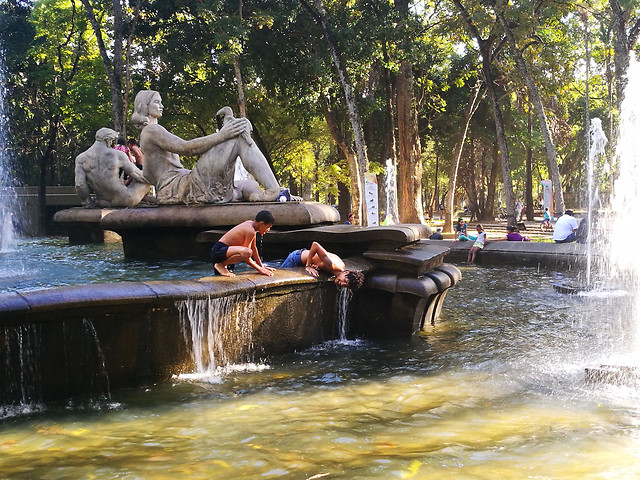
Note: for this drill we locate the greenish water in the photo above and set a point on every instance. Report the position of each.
(493, 391)
(50, 262)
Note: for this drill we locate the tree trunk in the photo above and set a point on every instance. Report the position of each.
(43, 167)
(242, 107)
(501, 137)
(550, 148)
(127, 56)
(528, 189)
(472, 105)
(113, 68)
(485, 51)
(490, 204)
(409, 151)
(623, 44)
(357, 193)
(409, 154)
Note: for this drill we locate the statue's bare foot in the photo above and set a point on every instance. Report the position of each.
(269, 195)
(222, 270)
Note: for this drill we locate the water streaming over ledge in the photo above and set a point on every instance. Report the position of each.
(343, 299)
(219, 331)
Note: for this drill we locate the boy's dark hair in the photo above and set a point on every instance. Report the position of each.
(265, 217)
(355, 279)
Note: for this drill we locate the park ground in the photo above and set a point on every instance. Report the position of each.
(497, 228)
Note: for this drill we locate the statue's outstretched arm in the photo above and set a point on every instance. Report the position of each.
(134, 172)
(197, 146)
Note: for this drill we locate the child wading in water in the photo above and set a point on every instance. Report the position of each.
(477, 245)
(239, 245)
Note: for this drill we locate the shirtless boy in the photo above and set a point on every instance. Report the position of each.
(318, 258)
(239, 245)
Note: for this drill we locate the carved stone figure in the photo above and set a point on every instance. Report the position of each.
(211, 180)
(98, 169)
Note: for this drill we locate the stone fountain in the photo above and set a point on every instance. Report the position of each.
(137, 333)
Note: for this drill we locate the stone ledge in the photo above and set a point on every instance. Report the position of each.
(107, 295)
(218, 215)
(521, 253)
(414, 260)
(387, 237)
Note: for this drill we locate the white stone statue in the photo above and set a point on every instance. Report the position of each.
(211, 180)
(99, 169)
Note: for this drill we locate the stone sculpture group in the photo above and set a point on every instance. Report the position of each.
(99, 169)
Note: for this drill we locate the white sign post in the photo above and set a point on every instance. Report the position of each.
(371, 198)
(547, 196)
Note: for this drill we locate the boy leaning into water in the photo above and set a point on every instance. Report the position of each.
(318, 258)
(239, 245)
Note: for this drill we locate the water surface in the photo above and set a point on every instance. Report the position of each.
(37, 263)
(494, 391)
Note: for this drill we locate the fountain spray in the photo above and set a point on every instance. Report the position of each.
(8, 199)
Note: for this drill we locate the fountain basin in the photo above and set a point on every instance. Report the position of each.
(87, 339)
(170, 231)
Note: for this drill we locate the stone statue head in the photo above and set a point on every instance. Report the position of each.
(106, 135)
(140, 116)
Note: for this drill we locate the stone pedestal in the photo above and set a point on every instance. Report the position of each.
(83, 225)
(170, 231)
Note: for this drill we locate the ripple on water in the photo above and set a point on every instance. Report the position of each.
(493, 390)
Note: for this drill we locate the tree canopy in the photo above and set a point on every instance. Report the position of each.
(310, 73)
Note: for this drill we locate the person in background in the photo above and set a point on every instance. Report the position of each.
(546, 221)
(122, 146)
(437, 235)
(566, 228)
(477, 245)
(512, 235)
(136, 152)
(349, 219)
(461, 231)
(519, 209)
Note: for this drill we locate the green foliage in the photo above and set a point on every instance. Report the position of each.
(186, 49)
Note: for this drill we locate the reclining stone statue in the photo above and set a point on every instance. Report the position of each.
(98, 169)
(211, 180)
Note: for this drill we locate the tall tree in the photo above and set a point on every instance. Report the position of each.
(409, 149)
(550, 148)
(487, 49)
(115, 64)
(362, 161)
(470, 109)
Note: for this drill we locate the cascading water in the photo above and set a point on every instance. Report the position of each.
(343, 298)
(597, 169)
(218, 330)
(621, 226)
(8, 199)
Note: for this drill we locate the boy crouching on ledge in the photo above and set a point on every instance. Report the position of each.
(239, 245)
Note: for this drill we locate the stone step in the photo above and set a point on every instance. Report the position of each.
(415, 260)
